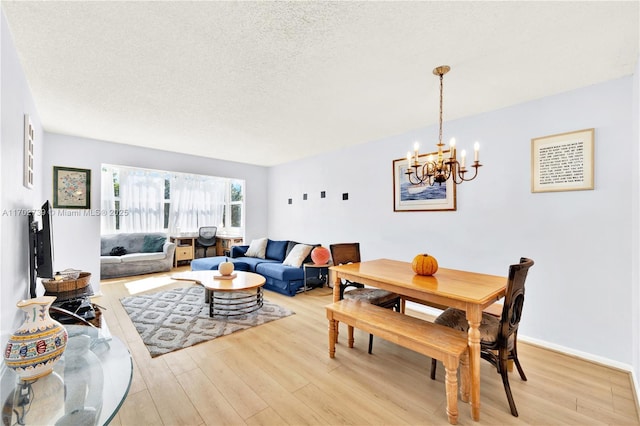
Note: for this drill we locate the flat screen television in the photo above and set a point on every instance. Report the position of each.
(40, 247)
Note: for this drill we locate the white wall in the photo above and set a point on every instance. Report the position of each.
(77, 238)
(16, 101)
(581, 241)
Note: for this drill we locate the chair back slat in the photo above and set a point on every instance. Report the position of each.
(513, 300)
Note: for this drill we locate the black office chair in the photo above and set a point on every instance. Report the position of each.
(207, 237)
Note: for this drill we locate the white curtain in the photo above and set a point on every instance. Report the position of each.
(107, 201)
(141, 201)
(196, 201)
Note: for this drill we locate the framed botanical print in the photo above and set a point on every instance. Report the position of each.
(71, 188)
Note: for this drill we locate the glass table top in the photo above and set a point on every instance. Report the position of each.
(87, 387)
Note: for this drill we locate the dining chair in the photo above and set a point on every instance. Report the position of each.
(498, 336)
(344, 253)
(207, 237)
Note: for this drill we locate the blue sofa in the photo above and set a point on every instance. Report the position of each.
(280, 278)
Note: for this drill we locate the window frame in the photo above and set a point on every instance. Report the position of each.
(229, 203)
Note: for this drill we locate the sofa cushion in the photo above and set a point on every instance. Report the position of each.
(132, 242)
(297, 255)
(137, 257)
(276, 250)
(153, 243)
(257, 248)
(107, 243)
(279, 271)
(212, 263)
(253, 262)
(110, 259)
(238, 251)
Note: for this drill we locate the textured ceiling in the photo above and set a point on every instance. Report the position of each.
(271, 82)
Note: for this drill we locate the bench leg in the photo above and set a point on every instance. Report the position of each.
(332, 338)
(465, 378)
(451, 387)
(351, 340)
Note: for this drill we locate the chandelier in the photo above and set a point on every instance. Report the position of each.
(440, 169)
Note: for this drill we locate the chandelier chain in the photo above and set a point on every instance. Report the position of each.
(441, 88)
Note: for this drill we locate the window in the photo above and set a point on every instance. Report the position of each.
(154, 200)
(235, 203)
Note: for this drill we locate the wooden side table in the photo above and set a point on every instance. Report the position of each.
(185, 247)
(319, 279)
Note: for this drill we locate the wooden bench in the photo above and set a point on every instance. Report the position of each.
(433, 340)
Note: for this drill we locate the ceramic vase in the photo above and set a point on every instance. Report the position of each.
(35, 347)
(320, 255)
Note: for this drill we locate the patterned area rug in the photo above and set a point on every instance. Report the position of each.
(179, 318)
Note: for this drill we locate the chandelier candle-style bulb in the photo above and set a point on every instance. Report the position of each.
(439, 170)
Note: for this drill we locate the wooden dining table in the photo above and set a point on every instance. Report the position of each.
(469, 291)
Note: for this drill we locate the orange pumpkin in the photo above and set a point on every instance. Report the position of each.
(424, 264)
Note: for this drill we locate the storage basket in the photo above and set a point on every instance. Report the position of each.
(53, 286)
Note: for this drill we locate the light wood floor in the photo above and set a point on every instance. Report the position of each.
(280, 373)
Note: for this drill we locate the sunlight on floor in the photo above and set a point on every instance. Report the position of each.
(146, 284)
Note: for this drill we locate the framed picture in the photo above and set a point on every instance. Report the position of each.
(71, 188)
(413, 196)
(562, 162)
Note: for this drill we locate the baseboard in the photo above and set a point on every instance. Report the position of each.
(560, 349)
(546, 345)
(575, 353)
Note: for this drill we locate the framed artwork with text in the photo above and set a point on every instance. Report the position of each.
(562, 162)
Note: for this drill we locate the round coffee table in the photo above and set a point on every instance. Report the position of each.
(228, 296)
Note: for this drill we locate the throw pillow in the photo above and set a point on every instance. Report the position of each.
(257, 248)
(292, 244)
(118, 251)
(276, 250)
(153, 243)
(297, 255)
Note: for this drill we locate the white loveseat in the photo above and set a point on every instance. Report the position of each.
(145, 253)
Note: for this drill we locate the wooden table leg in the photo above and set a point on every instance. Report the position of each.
(474, 317)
